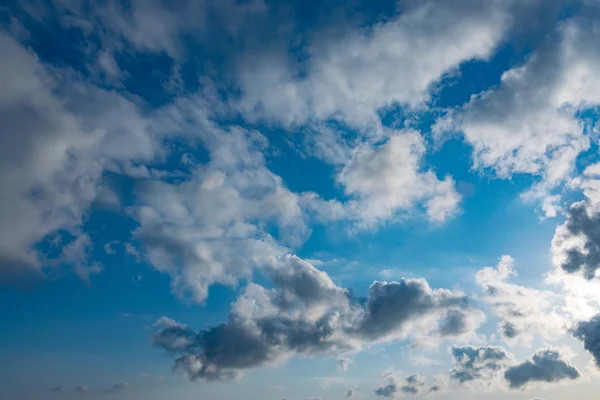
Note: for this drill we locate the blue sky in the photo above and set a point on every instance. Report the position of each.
(299, 200)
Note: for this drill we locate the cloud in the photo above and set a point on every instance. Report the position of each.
(393, 386)
(589, 333)
(546, 365)
(108, 247)
(212, 228)
(53, 161)
(576, 243)
(344, 363)
(524, 312)
(82, 389)
(529, 124)
(479, 366)
(388, 178)
(305, 314)
(352, 75)
(439, 385)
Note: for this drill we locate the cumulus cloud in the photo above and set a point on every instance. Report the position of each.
(529, 123)
(589, 333)
(479, 366)
(576, 243)
(53, 161)
(524, 312)
(353, 75)
(492, 367)
(393, 386)
(212, 227)
(546, 365)
(389, 178)
(439, 385)
(306, 314)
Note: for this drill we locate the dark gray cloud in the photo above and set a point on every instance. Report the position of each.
(440, 383)
(82, 389)
(392, 385)
(454, 323)
(509, 330)
(351, 393)
(306, 314)
(388, 390)
(546, 365)
(392, 305)
(478, 363)
(494, 366)
(589, 333)
(582, 222)
(414, 384)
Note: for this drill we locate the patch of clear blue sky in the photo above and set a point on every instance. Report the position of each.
(66, 320)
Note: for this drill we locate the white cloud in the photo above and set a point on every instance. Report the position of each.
(389, 178)
(523, 312)
(213, 228)
(350, 76)
(528, 124)
(53, 149)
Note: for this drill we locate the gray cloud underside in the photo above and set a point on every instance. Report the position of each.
(589, 333)
(306, 314)
(545, 366)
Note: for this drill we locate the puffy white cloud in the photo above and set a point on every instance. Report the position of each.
(53, 150)
(352, 75)
(529, 124)
(389, 178)
(214, 227)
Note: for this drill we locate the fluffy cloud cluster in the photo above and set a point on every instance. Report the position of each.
(53, 149)
(306, 314)
(351, 77)
(486, 367)
(493, 366)
(576, 243)
(392, 386)
(529, 123)
(524, 312)
(214, 226)
(389, 178)
(479, 365)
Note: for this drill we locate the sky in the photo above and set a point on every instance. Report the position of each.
(299, 200)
